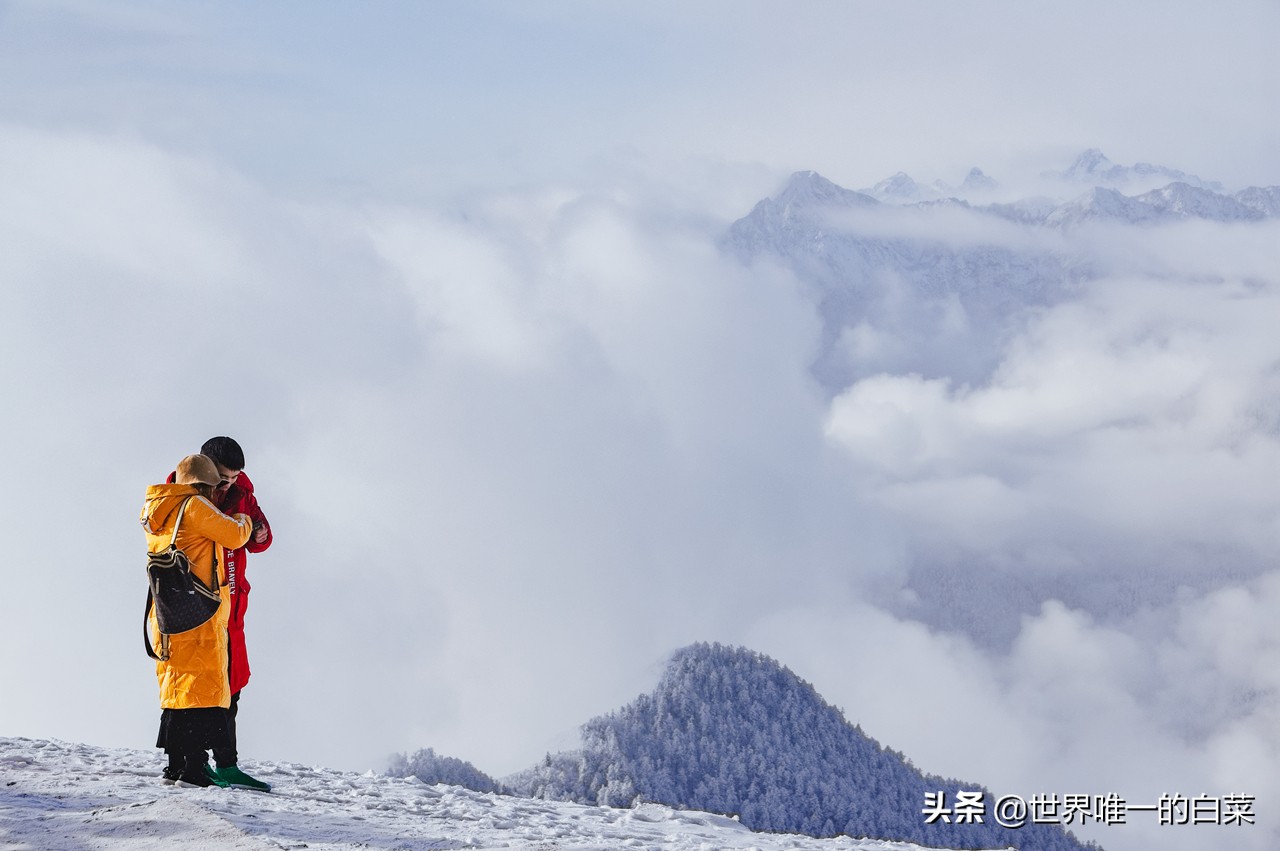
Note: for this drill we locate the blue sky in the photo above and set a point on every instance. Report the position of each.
(449, 272)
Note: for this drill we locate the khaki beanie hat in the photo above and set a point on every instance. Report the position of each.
(197, 469)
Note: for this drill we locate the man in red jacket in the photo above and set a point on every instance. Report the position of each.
(234, 494)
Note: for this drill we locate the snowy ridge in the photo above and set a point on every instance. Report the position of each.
(1138, 194)
(1093, 167)
(1169, 203)
(904, 281)
(60, 795)
(901, 188)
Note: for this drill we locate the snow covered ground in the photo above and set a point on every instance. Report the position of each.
(76, 797)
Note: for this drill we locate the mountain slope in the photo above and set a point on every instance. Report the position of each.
(731, 731)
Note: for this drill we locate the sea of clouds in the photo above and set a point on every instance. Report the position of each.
(517, 448)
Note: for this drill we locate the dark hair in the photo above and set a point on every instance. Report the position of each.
(225, 451)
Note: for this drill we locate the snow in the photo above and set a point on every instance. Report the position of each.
(61, 795)
(1093, 167)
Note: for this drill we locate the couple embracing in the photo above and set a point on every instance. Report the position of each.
(208, 510)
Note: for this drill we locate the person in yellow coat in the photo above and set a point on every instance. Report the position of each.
(194, 689)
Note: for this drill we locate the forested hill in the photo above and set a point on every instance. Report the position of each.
(731, 731)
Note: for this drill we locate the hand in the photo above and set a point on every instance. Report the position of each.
(259, 533)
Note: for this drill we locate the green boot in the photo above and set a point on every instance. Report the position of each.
(235, 778)
(214, 779)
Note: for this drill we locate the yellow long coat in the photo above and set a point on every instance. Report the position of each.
(195, 674)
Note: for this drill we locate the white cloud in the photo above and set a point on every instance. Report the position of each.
(564, 434)
(1143, 410)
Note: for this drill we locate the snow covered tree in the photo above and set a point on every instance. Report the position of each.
(430, 767)
(731, 731)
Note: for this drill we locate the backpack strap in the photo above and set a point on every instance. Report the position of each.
(173, 539)
(213, 584)
(146, 628)
(146, 614)
(163, 655)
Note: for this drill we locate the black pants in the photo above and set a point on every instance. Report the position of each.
(185, 734)
(225, 755)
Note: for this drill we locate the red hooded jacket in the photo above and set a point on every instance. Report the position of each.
(239, 499)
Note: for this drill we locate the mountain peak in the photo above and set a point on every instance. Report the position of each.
(1093, 167)
(804, 203)
(901, 188)
(729, 730)
(1090, 163)
(977, 181)
(899, 185)
(805, 188)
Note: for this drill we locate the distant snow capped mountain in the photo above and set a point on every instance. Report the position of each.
(807, 188)
(976, 181)
(1090, 166)
(1093, 167)
(1103, 203)
(896, 286)
(795, 212)
(731, 731)
(1264, 199)
(901, 189)
(940, 290)
(1183, 200)
(1168, 203)
(936, 286)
